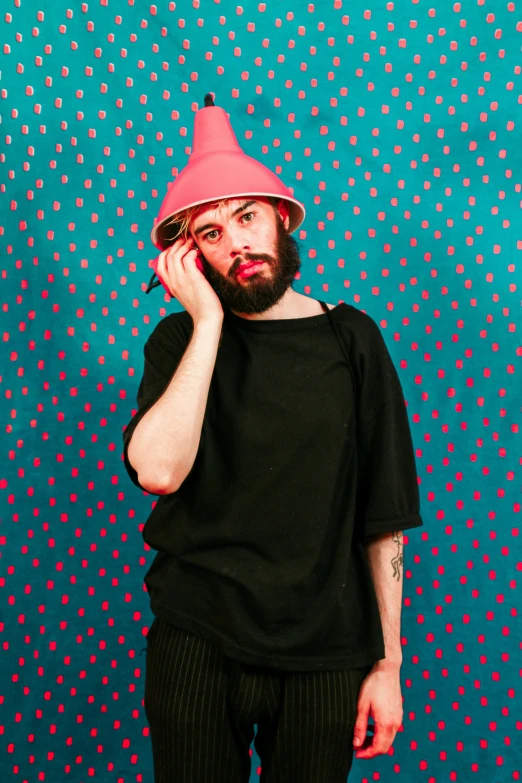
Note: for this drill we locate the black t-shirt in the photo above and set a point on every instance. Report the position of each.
(261, 549)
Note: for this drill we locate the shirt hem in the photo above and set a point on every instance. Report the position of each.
(273, 660)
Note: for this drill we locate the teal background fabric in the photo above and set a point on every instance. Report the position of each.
(398, 126)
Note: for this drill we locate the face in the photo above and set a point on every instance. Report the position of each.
(248, 228)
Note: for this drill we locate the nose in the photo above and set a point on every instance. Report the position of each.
(237, 242)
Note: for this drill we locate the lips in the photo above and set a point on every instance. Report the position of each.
(243, 268)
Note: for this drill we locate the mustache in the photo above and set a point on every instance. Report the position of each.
(252, 257)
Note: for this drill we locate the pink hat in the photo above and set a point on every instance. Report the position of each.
(217, 168)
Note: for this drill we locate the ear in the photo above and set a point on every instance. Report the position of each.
(284, 213)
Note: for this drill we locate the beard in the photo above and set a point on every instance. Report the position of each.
(264, 288)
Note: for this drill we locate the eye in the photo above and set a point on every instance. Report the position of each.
(214, 230)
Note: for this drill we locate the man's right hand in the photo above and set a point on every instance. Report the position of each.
(178, 269)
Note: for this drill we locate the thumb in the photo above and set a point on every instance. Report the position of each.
(361, 725)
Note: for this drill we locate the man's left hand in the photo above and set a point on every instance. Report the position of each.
(379, 696)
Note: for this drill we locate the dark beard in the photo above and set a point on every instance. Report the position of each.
(265, 288)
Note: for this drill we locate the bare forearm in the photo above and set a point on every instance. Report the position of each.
(385, 559)
(164, 444)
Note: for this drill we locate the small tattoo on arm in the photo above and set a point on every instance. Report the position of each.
(397, 561)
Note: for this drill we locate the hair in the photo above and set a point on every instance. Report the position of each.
(179, 223)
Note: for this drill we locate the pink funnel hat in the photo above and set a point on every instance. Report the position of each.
(217, 168)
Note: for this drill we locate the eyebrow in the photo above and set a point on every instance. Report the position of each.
(236, 212)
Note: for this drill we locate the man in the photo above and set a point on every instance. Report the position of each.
(273, 428)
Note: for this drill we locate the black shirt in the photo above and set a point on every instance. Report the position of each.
(261, 549)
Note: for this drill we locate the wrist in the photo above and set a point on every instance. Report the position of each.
(209, 323)
(388, 664)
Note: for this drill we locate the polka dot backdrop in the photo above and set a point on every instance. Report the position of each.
(398, 126)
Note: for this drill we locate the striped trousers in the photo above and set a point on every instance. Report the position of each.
(201, 707)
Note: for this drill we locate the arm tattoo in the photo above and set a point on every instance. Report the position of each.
(398, 559)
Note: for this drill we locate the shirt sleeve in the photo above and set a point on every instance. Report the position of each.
(162, 352)
(388, 491)
(388, 487)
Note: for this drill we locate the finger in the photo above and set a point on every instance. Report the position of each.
(169, 261)
(160, 265)
(188, 259)
(167, 269)
(189, 248)
(371, 751)
(368, 749)
(166, 259)
(361, 726)
(377, 745)
(175, 246)
(383, 733)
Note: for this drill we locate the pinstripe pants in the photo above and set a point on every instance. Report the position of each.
(201, 707)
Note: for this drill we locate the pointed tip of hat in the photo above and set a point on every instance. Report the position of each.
(209, 100)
